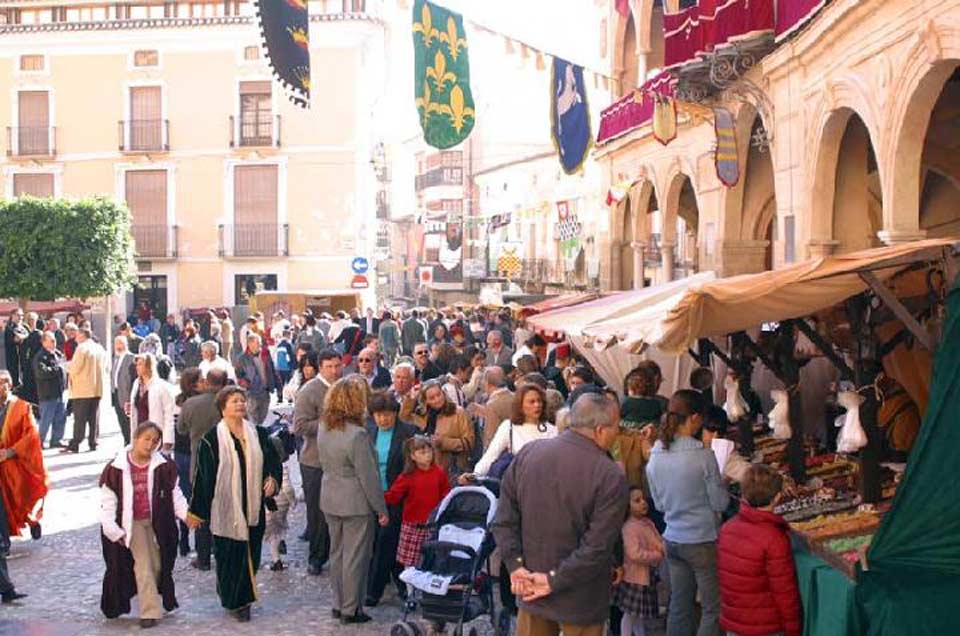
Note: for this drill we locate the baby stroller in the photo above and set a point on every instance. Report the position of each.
(449, 586)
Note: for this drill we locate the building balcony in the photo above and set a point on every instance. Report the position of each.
(263, 133)
(251, 240)
(439, 177)
(32, 142)
(346, 8)
(153, 242)
(144, 135)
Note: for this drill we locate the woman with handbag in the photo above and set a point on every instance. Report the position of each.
(527, 423)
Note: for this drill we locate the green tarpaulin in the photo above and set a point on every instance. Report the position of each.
(913, 584)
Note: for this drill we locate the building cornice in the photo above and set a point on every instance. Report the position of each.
(167, 23)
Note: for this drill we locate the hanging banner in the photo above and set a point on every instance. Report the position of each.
(569, 115)
(285, 34)
(441, 75)
(664, 118)
(726, 159)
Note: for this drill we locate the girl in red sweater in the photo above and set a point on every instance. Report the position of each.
(422, 485)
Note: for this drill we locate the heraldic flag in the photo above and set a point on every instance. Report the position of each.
(285, 30)
(441, 75)
(569, 115)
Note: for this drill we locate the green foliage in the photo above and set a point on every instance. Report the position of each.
(56, 248)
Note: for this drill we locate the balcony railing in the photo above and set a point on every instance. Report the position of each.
(31, 141)
(154, 241)
(260, 133)
(439, 177)
(254, 239)
(332, 7)
(144, 135)
(536, 270)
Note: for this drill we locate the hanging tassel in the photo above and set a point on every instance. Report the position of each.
(540, 63)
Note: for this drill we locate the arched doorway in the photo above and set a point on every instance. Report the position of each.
(629, 71)
(940, 164)
(857, 199)
(688, 226)
(626, 248)
(759, 206)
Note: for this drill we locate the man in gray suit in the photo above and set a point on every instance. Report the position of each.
(308, 409)
(497, 352)
(121, 377)
(198, 415)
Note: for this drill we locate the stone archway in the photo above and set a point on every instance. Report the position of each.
(681, 224)
(847, 201)
(631, 234)
(939, 191)
(759, 203)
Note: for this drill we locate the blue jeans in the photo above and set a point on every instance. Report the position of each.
(693, 567)
(53, 414)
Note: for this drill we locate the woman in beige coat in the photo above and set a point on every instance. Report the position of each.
(448, 425)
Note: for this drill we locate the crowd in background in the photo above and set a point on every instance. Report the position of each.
(389, 411)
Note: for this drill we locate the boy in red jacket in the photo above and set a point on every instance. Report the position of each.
(758, 581)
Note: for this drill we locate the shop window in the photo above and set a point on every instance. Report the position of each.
(247, 285)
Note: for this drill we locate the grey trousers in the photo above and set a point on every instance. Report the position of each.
(693, 568)
(351, 546)
(317, 531)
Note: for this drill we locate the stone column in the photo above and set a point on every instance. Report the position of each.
(820, 248)
(666, 253)
(896, 237)
(637, 264)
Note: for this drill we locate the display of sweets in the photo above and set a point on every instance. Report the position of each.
(811, 507)
(842, 545)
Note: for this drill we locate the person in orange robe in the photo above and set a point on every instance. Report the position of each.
(23, 480)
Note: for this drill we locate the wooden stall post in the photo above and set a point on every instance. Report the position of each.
(789, 373)
(867, 369)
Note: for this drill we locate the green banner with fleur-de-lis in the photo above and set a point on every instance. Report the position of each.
(441, 75)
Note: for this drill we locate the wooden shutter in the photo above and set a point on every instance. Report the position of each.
(146, 195)
(255, 211)
(37, 185)
(34, 123)
(145, 118)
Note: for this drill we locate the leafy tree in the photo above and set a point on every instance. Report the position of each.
(55, 248)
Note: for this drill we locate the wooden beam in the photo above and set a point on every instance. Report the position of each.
(890, 300)
(845, 371)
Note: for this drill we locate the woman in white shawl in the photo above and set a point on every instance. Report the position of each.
(237, 470)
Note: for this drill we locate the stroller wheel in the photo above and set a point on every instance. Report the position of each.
(405, 628)
(472, 632)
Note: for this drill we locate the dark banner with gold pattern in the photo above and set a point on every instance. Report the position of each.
(285, 29)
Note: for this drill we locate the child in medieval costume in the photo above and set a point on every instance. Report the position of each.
(140, 502)
(237, 471)
(275, 534)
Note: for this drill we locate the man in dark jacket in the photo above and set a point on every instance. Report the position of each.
(256, 373)
(198, 415)
(559, 548)
(427, 369)
(368, 365)
(387, 437)
(51, 379)
(29, 348)
(412, 333)
(14, 334)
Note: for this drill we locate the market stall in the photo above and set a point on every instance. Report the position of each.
(866, 533)
(651, 303)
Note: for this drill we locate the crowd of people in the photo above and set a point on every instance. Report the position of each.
(610, 508)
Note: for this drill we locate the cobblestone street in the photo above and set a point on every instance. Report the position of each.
(62, 573)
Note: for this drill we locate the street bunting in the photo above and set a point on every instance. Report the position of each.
(441, 75)
(569, 115)
(285, 34)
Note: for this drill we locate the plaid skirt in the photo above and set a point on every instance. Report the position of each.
(637, 599)
(412, 536)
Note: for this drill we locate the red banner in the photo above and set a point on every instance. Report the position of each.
(792, 14)
(630, 111)
(701, 28)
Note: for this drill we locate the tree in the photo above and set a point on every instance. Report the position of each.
(56, 248)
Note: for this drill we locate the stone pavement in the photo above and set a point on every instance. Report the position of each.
(63, 573)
